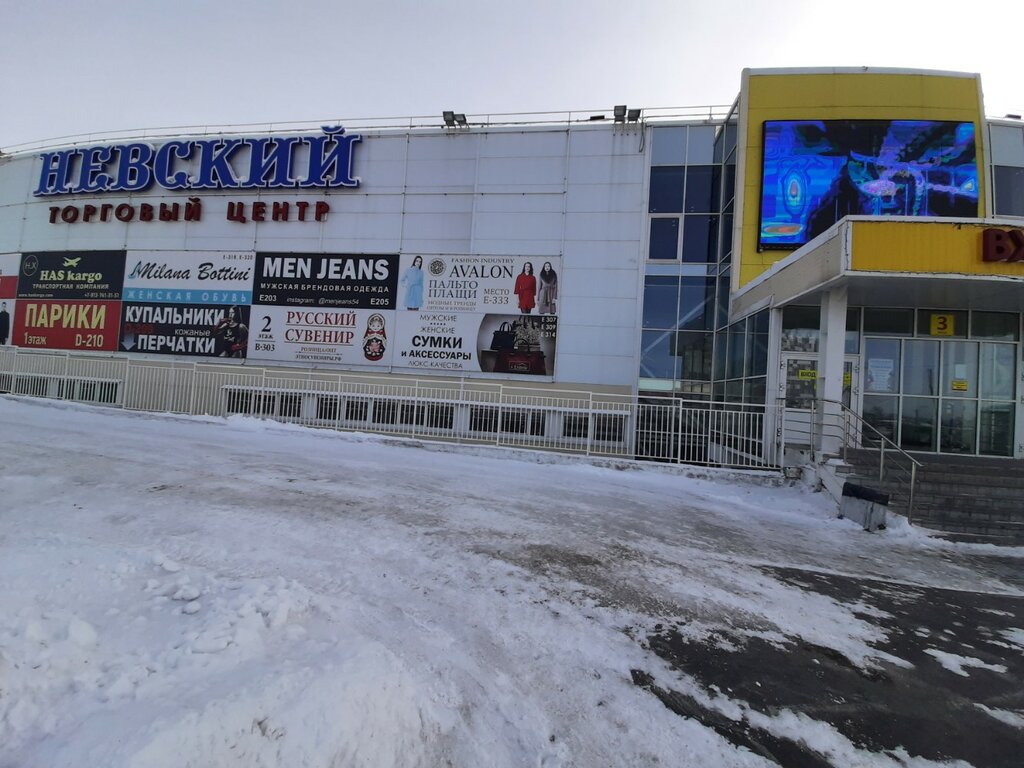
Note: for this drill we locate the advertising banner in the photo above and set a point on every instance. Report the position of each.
(448, 342)
(479, 284)
(10, 263)
(818, 171)
(57, 324)
(93, 275)
(322, 336)
(326, 280)
(187, 303)
(185, 329)
(189, 277)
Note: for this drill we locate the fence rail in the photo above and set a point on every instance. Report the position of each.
(831, 428)
(464, 410)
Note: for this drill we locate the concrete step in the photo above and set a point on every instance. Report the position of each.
(981, 498)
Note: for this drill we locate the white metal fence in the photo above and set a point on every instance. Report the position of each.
(466, 411)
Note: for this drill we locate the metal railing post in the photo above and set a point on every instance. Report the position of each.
(910, 502)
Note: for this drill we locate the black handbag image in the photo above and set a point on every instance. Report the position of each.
(504, 337)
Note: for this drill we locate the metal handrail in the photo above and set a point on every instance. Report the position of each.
(697, 113)
(884, 443)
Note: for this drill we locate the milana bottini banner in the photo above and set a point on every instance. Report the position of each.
(187, 303)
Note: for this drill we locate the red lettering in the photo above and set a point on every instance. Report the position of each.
(236, 212)
(1002, 245)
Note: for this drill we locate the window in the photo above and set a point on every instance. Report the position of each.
(942, 322)
(1009, 199)
(664, 242)
(666, 195)
(668, 145)
(694, 351)
(661, 302)
(888, 322)
(656, 358)
(1001, 326)
(701, 189)
(800, 329)
(700, 239)
(700, 146)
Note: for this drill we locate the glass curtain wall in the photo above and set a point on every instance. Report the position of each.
(680, 284)
(942, 380)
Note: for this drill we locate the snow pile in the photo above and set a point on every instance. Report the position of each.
(195, 592)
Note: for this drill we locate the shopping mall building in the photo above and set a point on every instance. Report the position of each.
(838, 239)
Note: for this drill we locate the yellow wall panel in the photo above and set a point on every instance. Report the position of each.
(893, 246)
(843, 96)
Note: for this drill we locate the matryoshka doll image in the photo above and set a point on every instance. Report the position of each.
(375, 339)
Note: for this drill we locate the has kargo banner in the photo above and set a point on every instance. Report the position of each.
(72, 275)
(69, 300)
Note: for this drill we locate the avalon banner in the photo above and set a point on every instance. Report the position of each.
(481, 284)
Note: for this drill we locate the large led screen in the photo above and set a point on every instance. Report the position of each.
(818, 171)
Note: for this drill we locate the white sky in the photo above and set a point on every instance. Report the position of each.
(72, 67)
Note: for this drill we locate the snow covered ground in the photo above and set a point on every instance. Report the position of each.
(204, 592)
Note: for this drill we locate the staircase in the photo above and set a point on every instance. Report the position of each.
(973, 497)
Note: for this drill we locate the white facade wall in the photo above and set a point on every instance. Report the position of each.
(575, 192)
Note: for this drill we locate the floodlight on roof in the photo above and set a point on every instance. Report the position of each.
(633, 115)
(620, 113)
(460, 119)
(449, 117)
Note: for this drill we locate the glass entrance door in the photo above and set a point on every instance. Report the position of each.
(799, 390)
(942, 395)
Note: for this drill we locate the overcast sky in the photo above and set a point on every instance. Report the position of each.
(71, 67)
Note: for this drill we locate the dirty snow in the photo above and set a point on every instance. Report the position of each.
(195, 592)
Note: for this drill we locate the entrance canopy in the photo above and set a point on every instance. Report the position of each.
(899, 262)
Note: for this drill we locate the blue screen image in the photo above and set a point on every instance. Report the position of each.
(818, 171)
